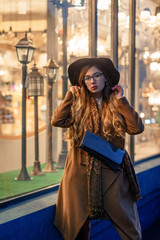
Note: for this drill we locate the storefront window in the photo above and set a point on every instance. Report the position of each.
(147, 71)
(15, 20)
(11, 90)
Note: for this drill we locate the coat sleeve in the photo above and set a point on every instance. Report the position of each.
(62, 115)
(133, 122)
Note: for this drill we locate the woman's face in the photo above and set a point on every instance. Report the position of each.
(94, 80)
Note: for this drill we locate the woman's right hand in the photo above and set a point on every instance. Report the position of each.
(75, 89)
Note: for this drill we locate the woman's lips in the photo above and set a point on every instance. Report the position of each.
(94, 87)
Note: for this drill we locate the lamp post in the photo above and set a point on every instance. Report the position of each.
(114, 32)
(35, 89)
(51, 69)
(64, 5)
(93, 28)
(132, 11)
(25, 50)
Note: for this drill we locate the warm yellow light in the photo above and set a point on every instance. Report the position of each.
(101, 49)
(2, 72)
(152, 21)
(103, 5)
(154, 66)
(78, 2)
(146, 55)
(78, 45)
(127, 22)
(15, 111)
(78, 5)
(142, 115)
(122, 16)
(22, 7)
(158, 16)
(155, 55)
(154, 98)
(145, 15)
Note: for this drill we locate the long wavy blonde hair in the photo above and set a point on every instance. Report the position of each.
(113, 123)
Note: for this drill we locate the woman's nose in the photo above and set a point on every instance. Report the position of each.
(92, 79)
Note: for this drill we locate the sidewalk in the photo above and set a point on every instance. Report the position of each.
(153, 232)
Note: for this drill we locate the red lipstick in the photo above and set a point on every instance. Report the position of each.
(94, 87)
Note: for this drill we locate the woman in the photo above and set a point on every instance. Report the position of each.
(89, 189)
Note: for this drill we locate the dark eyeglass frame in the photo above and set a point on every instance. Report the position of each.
(96, 76)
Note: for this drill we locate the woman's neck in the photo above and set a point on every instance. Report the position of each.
(97, 95)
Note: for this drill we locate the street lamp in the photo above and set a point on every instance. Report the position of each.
(64, 5)
(25, 50)
(35, 89)
(157, 12)
(51, 71)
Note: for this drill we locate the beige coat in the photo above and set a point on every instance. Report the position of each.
(71, 207)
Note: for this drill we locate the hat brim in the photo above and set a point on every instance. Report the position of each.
(104, 64)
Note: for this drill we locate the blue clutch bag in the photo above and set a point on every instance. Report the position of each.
(106, 152)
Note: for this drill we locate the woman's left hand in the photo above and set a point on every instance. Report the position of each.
(118, 91)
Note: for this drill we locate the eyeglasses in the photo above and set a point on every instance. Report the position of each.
(96, 76)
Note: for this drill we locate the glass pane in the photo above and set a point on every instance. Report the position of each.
(52, 73)
(77, 32)
(104, 28)
(147, 79)
(22, 54)
(30, 55)
(11, 115)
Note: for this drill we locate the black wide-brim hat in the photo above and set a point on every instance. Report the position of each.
(104, 64)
